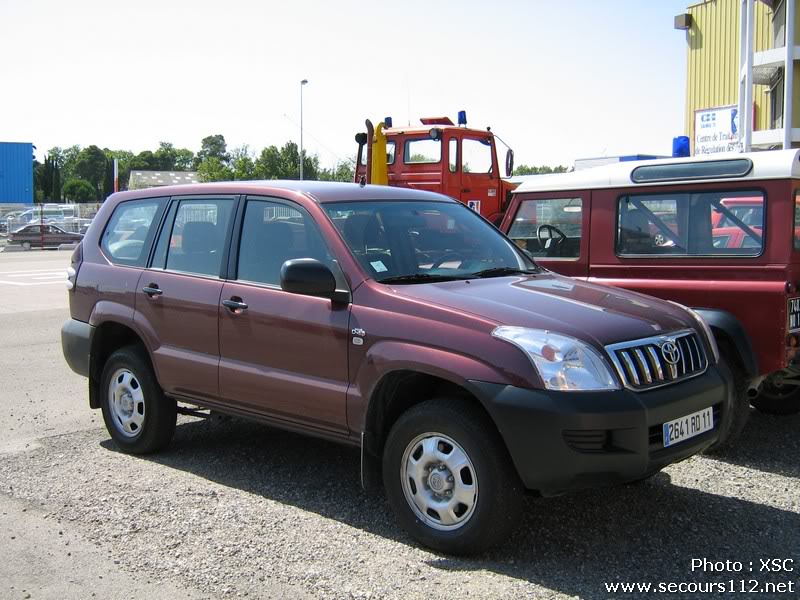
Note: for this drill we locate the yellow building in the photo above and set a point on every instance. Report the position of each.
(720, 69)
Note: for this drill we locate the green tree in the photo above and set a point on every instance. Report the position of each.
(213, 169)
(343, 171)
(213, 146)
(268, 164)
(124, 160)
(242, 163)
(145, 161)
(91, 166)
(544, 170)
(184, 159)
(79, 190)
(284, 163)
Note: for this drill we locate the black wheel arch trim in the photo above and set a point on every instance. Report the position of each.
(725, 322)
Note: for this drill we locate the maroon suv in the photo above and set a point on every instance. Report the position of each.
(393, 320)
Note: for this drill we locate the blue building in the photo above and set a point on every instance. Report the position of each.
(16, 172)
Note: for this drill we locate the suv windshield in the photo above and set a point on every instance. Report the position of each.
(417, 242)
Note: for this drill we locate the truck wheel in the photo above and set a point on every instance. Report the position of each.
(137, 414)
(777, 398)
(449, 479)
(736, 410)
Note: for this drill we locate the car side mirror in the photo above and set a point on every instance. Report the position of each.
(509, 163)
(309, 277)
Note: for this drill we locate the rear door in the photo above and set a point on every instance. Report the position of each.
(553, 228)
(282, 354)
(178, 296)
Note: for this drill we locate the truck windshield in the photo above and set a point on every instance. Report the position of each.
(417, 242)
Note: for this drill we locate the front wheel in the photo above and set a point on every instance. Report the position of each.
(736, 410)
(449, 479)
(138, 416)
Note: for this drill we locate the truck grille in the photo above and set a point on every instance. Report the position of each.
(660, 360)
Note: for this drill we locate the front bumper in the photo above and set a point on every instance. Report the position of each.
(562, 441)
(76, 343)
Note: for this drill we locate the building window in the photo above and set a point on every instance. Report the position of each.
(776, 105)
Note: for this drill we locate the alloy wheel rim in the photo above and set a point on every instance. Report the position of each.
(126, 401)
(439, 481)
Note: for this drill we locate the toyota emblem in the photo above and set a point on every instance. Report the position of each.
(670, 352)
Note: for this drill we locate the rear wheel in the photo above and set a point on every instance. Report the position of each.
(137, 414)
(449, 479)
(777, 397)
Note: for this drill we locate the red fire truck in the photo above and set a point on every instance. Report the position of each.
(438, 156)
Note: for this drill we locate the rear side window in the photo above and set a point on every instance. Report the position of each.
(549, 227)
(273, 233)
(197, 238)
(129, 233)
(691, 224)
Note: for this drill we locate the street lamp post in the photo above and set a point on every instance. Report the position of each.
(302, 83)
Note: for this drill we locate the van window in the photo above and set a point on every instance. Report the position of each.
(422, 151)
(196, 243)
(691, 224)
(549, 228)
(128, 235)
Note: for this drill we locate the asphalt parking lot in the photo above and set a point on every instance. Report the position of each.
(235, 509)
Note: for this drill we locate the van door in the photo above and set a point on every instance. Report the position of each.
(554, 229)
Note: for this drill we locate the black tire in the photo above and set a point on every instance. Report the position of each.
(500, 495)
(159, 412)
(736, 411)
(777, 400)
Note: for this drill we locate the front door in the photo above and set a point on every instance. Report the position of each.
(480, 183)
(282, 354)
(177, 299)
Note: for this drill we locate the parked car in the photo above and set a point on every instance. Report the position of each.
(393, 320)
(47, 236)
(721, 234)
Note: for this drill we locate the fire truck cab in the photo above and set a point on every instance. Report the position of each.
(438, 156)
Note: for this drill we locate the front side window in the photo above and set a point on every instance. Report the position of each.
(417, 242)
(126, 239)
(422, 151)
(549, 227)
(273, 233)
(691, 224)
(476, 155)
(196, 242)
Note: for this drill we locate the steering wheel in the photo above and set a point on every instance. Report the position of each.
(448, 256)
(555, 235)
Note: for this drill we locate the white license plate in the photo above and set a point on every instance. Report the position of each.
(688, 427)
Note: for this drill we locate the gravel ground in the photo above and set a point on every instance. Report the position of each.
(237, 509)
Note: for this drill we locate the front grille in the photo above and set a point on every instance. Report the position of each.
(654, 362)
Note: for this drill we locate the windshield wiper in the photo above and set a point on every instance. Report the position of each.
(421, 278)
(500, 271)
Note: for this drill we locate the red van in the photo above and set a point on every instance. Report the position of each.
(717, 233)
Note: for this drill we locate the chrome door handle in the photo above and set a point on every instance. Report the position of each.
(234, 305)
(152, 290)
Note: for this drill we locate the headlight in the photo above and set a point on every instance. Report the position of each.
(564, 363)
(706, 329)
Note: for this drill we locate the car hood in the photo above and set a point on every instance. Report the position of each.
(583, 310)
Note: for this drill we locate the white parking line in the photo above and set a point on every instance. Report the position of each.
(34, 277)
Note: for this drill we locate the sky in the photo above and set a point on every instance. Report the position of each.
(556, 80)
